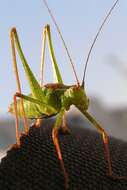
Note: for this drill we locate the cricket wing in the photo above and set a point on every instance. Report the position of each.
(32, 108)
(34, 85)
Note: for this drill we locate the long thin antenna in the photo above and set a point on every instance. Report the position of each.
(63, 41)
(95, 39)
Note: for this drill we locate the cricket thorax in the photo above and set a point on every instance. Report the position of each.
(54, 94)
(59, 95)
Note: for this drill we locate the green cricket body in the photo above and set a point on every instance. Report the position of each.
(50, 99)
(53, 98)
(56, 95)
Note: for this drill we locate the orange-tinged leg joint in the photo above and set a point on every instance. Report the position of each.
(38, 123)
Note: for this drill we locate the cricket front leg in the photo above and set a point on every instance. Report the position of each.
(55, 133)
(106, 146)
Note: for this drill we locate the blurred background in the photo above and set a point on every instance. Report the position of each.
(106, 79)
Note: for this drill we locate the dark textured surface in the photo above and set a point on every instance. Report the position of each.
(35, 165)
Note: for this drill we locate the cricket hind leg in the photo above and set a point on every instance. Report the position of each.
(42, 57)
(55, 133)
(46, 35)
(106, 147)
(19, 89)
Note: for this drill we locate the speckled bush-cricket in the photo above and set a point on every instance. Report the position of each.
(53, 98)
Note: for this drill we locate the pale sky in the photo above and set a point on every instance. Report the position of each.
(79, 22)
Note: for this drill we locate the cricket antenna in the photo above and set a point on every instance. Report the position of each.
(63, 41)
(95, 39)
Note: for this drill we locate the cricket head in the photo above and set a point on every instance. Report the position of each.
(76, 95)
(81, 99)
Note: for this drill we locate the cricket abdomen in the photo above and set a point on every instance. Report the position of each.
(32, 110)
(53, 96)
